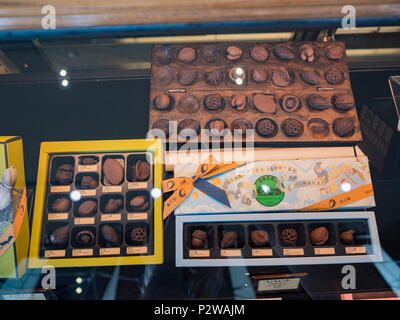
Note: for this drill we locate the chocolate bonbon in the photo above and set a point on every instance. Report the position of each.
(319, 236)
(347, 237)
(65, 174)
(85, 238)
(260, 237)
(59, 237)
(229, 239)
(61, 205)
(87, 208)
(259, 53)
(138, 235)
(141, 170)
(292, 127)
(139, 203)
(198, 238)
(289, 236)
(113, 171)
(344, 126)
(113, 205)
(111, 236)
(266, 127)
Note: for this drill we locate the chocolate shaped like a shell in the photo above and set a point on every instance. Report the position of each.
(59, 237)
(111, 236)
(113, 171)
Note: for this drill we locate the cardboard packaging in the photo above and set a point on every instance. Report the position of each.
(317, 184)
(207, 241)
(113, 232)
(14, 224)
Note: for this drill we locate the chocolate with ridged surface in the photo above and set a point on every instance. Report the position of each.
(61, 205)
(85, 238)
(284, 53)
(317, 102)
(292, 127)
(259, 75)
(138, 235)
(233, 53)
(334, 75)
(344, 126)
(289, 236)
(319, 128)
(214, 102)
(282, 77)
(87, 208)
(290, 103)
(259, 53)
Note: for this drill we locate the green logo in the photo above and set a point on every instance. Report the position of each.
(268, 193)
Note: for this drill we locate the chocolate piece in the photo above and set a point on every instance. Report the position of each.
(266, 127)
(216, 127)
(259, 75)
(163, 125)
(139, 203)
(265, 103)
(259, 53)
(319, 128)
(65, 174)
(138, 235)
(282, 77)
(88, 182)
(319, 236)
(335, 52)
(162, 101)
(189, 127)
(89, 161)
(187, 76)
(188, 103)
(141, 170)
(113, 171)
(111, 236)
(164, 55)
(198, 238)
(343, 102)
(290, 103)
(233, 53)
(239, 127)
(87, 208)
(237, 73)
(214, 102)
(59, 237)
(163, 76)
(307, 53)
(347, 237)
(260, 238)
(292, 127)
(85, 238)
(210, 53)
(334, 75)
(229, 239)
(187, 55)
(239, 102)
(344, 126)
(310, 77)
(284, 53)
(60, 205)
(317, 102)
(289, 236)
(214, 77)
(113, 205)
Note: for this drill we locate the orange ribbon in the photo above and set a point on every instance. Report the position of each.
(184, 186)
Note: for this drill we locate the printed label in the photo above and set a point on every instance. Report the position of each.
(84, 220)
(268, 193)
(110, 217)
(137, 185)
(136, 250)
(261, 252)
(89, 192)
(82, 252)
(319, 251)
(109, 251)
(112, 189)
(87, 168)
(57, 216)
(293, 252)
(278, 284)
(355, 250)
(60, 189)
(199, 253)
(137, 216)
(54, 253)
(231, 253)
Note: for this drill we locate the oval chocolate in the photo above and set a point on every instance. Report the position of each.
(113, 171)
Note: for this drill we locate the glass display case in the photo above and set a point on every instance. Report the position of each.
(83, 105)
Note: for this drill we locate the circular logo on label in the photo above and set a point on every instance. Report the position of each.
(268, 193)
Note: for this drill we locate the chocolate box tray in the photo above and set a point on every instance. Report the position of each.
(364, 248)
(165, 80)
(88, 227)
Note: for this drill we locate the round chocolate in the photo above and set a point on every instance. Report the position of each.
(187, 55)
(187, 76)
(239, 127)
(344, 126)
(319, 128)
(139, 203)
(163, 125)
(88, 182)
(319, 236)
(113, 205)
(229, 239)
(162, 101)
(214, 102)
(85, 238)
(163, 76)
(284, 53)
(210, 53)
(307, 53)
(216, 127)
(214, 77)
(266, 127)
(65, 174)
(310, 77)
(343, 102)
(189, 128)
(87, 208)
(59, 237)
(111, 236)
(113, 171)
(235, 75)
(138, 235)
(282, 77)
(335, 52)
(347, 237)
(259, 75)
(317, 102)
(260, 238)
(61, 205)
(264, 103)
(290, 103)
(141, 171)
(188, 103)
(334, 75)
(289, 236)
(164, 55)
(259, 53)
(239, 102)
(292, 127)
(233, 53)
(198, 238)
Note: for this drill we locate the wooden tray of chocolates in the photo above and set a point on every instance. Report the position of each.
(269, 92)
